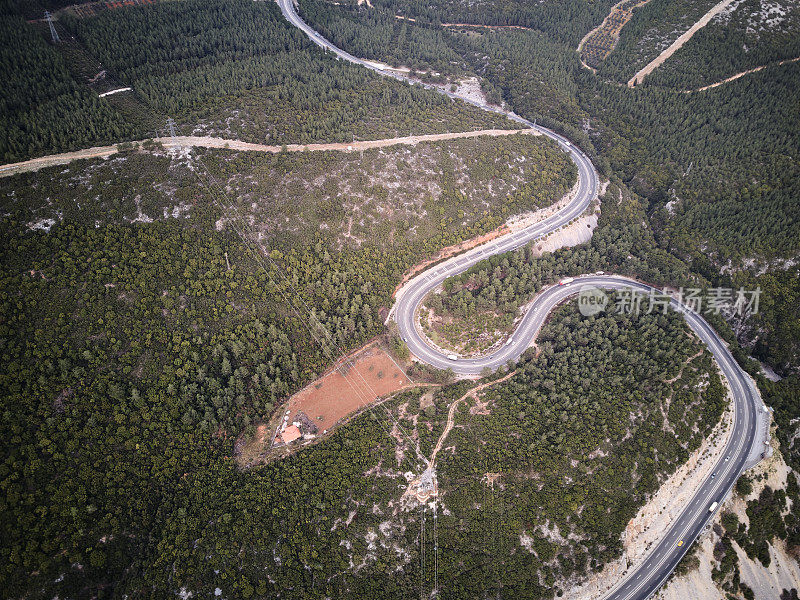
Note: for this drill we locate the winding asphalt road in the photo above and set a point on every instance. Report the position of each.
(662, 559)
(647, 577)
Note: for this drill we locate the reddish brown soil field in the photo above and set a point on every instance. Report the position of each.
(361, 380)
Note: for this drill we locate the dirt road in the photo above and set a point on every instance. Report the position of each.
(451, 413)
(412, 20)
(742, 74)
(676, 45)
(212, 142)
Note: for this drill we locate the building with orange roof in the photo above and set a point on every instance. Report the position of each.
(290, 434)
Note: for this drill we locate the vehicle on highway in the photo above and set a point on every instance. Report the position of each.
(566, 280)
(510, 341)
(713, 475)
(600, 273)
(713, 506)
(452, 356)
(680, 543)
(727, 458)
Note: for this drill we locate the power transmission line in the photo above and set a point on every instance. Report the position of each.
(313, 320)
(53, 33)
(259, 256)
(435, 548)
(422, 554)
(319, 336)
(321, 327)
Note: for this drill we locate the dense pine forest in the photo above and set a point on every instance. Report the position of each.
(159, 306)
(42, 108)
(246, 75)
(752, 35)
(565, 21)
(140, 357)
(718, 169)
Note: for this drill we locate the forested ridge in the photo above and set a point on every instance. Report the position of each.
(246, 74)
(543, 457)
(139, 357)
(755, 33)
(42, 108)
(718, 168)
(423, 44)
(136, 353)
(378, 34)
(566, 21)
(727, 157)
(656, 139)
(136, 358)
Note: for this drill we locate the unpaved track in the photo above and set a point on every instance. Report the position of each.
(35, 164)
(676, 45)
(522, 27)
(742, 74)
(451, 413)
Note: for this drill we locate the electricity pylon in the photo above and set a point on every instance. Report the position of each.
(53, 32)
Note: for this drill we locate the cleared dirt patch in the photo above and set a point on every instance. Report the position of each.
(355, 382)
(351, 385)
